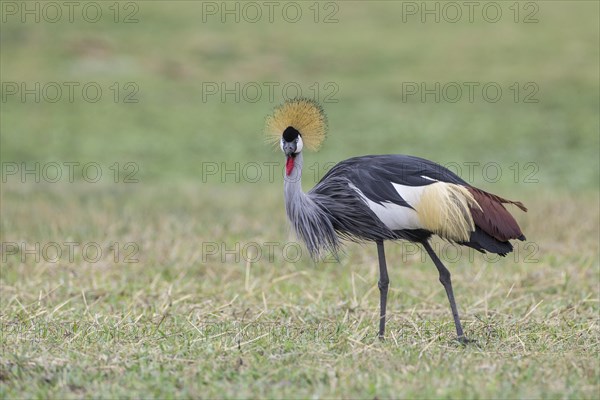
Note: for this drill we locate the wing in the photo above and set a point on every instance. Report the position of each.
(408, 193)
(378, 177)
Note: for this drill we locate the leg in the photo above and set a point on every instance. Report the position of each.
(383, 284)
(447, 282)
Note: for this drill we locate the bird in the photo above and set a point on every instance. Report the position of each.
(378, 198)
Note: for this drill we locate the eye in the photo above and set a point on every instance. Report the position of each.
(296, 140)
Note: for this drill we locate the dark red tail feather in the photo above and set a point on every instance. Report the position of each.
(493, 218)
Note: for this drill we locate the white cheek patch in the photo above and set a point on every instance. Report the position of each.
(281, 145)
(299, 145)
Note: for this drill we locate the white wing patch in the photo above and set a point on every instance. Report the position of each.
(428, 178)
(410, 194)
(394, 216)
(440, 207)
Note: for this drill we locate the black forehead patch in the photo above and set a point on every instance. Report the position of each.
(290, 134)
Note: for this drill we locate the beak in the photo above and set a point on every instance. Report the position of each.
(289, 148)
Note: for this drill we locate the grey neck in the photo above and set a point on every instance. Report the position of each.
(293, 182)
(308, 220)
(296, 201)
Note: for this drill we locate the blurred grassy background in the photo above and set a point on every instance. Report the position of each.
(368, 54)
(536, 321)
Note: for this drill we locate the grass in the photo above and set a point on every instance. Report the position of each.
(199, 290)
(183, 323)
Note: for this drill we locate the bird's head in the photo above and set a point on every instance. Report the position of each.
(291, 145)
(291, 141)
(295, 124)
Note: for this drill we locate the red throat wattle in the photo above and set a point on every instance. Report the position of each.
(289, 165)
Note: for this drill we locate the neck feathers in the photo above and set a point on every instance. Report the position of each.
(309, 220)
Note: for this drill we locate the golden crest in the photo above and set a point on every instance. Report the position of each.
(305, 115)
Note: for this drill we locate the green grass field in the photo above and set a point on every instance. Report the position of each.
(153, 258)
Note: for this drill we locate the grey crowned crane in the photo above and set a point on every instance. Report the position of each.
(384, 197)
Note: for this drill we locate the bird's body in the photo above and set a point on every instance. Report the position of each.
(385, 197)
